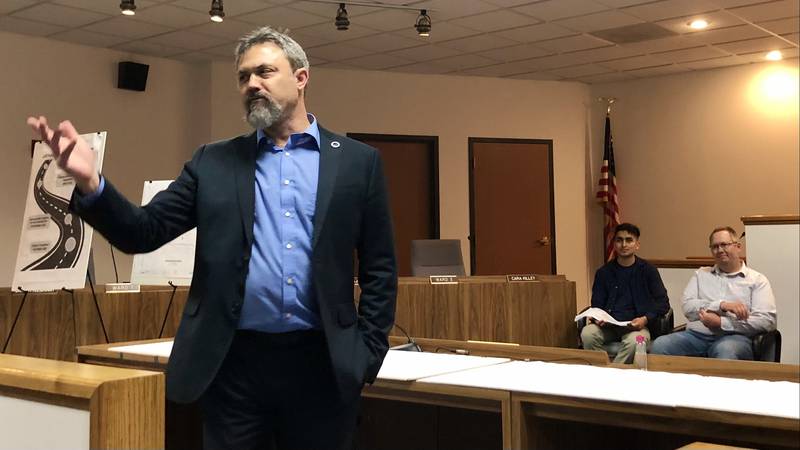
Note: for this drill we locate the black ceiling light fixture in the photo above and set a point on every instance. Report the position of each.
(128, 7)
(342, 20)
(423, 24)
(216, 13)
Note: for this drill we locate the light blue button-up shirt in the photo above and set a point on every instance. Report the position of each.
(279, 295)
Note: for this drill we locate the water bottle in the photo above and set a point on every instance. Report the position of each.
(640, 357)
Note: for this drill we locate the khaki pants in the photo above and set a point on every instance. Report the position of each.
(593, 338)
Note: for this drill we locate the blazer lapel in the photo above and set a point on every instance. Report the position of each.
(329, 155)
(245, 175)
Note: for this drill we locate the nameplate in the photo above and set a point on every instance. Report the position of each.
(521, 278)
(444, 279)
(121, 288)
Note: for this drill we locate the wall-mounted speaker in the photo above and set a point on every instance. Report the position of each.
(132, 76)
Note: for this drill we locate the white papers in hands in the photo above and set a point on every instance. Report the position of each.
(599, 314)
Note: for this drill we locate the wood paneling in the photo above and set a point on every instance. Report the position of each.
(776, 219)
(126, 407)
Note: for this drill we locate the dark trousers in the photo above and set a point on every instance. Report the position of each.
(277, 391)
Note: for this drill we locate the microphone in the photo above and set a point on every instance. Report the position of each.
(410, 346)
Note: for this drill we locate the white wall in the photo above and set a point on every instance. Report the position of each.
(29, 425)
(774, 250)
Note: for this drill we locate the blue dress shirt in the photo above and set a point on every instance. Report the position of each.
(279, 295)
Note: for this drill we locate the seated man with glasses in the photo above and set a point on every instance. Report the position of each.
(725, 306)
(629, 289)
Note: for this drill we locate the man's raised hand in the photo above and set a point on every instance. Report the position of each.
(71, 152)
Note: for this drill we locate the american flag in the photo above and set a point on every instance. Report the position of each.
(607, 191)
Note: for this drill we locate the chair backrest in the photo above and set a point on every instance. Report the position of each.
(436, 257)
(767, 346)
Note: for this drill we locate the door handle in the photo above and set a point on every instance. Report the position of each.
(545, 240)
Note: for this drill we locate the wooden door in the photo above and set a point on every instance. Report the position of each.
(512, 225)
(410, 165)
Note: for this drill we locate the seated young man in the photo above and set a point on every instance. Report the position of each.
(629, 289)
(725, 305)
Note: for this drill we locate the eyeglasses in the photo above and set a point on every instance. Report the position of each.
(721, 246)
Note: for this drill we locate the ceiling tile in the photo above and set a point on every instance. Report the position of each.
(307, 41)
(149, 48)
(714, 63)
(658, 71)
(605, 54)
(599, 21)
(508, 3)
(726, 4)
(633, 63)
(195, 57)
(609, 77)
(515, 53)
(573, 43)
(669, 9)
(495, 20)
(330, 9)
(425, 53)
(759, 57)
(553, 62)
(8, 6)
(462, 62)
(225, 50)
(84, 37)
(580, 71)
(171, 16)
(726, 34)
(22, 26)
(794, 37)
(422, 68)
(782, 26)
(534, 33)
(755, 45)
(662, 45)
(690, 54)
(378, 61)
(229, 29)
(478, 43)
(111, 7)
(59, 15)
(127, 27)
(543, 76)
(336, 52)
(382, 43)
(715, 19)
(284, 18)
(498, 70)
(622, 3)
(769, 11)
(329, 32)
(440, 32)
(440, 10)
(388, 20)
(559, 9)
(188, 40)
(232, 8)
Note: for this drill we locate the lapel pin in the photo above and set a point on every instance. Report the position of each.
(335, 144)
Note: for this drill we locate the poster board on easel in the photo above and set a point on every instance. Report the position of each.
(173, 263)
(54, 243)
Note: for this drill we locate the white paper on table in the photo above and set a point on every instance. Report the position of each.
(599, 314)
(409, 366)
(162, 349)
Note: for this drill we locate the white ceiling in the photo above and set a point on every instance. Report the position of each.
(545, 39)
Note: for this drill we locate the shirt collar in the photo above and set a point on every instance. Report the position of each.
(743, 271)
(296, 139)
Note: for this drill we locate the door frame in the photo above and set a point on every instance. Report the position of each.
(433, 141)
(471, 164)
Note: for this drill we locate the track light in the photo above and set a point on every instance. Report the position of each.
(423, 24)
(342, 21)
(128, 7)
(216, 12)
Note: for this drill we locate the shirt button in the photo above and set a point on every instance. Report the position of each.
(290, 280)
(288, 315)
(289, 245)
(287, 154)
(287, 214)
(285, 182)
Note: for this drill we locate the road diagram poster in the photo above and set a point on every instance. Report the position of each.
(174, 261)
(54, 244)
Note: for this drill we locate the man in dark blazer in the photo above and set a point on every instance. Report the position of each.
(270, 341)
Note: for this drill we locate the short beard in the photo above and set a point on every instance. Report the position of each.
(262, 117)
